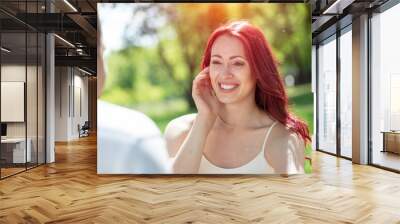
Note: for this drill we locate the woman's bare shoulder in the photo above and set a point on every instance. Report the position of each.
(285, 150)
(178, 125)
(285, 133)
(176, 132)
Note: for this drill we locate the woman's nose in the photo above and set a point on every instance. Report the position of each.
(226, 71)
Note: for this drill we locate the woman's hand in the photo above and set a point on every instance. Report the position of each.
(189, 155)
(204, 96)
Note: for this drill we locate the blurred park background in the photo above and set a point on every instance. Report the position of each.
(153, 51)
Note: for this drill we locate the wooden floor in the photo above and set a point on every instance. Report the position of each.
(5, 172)
(10, 171)
(70, 191)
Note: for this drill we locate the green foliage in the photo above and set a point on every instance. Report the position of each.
(307, 167)
(164, 67)
(301, 100)
(164, 111)
(301, 103)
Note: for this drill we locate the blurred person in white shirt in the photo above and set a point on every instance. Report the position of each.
(128, 142)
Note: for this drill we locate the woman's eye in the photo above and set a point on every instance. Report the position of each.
(238, 63)
(215, 62)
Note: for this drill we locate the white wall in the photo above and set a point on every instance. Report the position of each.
(71, 87)
(81, 94)
(61, 103)
(33, 126)
(11, 73)
(12, 101)
(16, 73)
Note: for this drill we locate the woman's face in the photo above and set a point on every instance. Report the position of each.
(230, 73)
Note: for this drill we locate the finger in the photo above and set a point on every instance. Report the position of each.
(198, 79)
(205, 71)
(213, 93)
(200, 83)
(201, 79)
(203, 76)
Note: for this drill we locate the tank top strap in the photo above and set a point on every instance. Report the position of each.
(266, 136)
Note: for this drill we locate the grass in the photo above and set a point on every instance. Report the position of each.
(163, 112)
(302, 105)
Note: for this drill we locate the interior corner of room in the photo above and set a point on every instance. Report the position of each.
(47, 94)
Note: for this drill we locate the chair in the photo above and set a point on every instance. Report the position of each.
(84, 130)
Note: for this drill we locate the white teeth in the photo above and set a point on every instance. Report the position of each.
(227, 87)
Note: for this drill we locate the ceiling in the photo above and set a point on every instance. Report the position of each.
(75, 21)
(328, 16)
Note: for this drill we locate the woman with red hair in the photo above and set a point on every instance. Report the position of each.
(243, 125)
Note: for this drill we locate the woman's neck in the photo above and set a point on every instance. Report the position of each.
(244, 114)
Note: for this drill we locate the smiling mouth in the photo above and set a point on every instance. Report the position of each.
(227, 87)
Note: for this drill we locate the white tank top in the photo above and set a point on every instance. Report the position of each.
(258, 165)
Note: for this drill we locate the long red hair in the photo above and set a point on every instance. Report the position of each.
(270, 94)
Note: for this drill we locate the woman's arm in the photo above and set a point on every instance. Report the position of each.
(190, 152)
(299, 155)
(176, 132)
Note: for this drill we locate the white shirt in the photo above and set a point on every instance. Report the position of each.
(128, 142)
(258, 165)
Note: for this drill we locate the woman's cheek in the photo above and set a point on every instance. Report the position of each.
(238, 71)
(212, 78)
(214, 69)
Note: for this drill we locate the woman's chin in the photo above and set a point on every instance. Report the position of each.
(227, 100)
